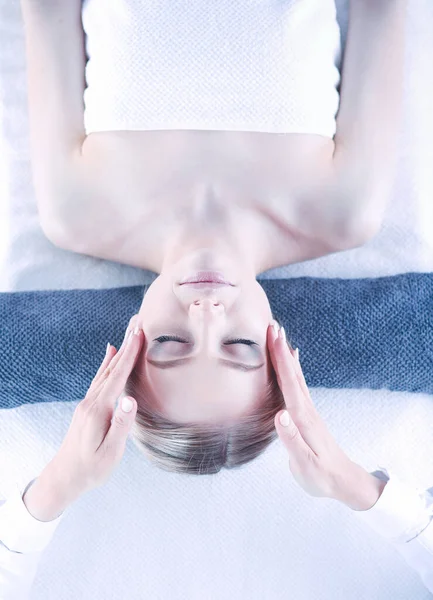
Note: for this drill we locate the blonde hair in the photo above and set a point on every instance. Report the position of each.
(202, 448)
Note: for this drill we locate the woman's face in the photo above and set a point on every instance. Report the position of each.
(205, 382)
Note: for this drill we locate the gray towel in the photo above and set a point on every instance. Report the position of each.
(352, 333)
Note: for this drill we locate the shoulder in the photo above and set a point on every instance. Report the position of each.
(89, 207)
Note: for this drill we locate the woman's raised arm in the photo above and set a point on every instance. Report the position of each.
(369, 117)
(56, 60)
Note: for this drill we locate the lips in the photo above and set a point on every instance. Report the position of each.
(206, 277)
(205, 284)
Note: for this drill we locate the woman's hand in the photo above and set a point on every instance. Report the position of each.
(96, 439)
(317, 463)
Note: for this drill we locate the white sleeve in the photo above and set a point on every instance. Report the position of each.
(22, 542)
(403, 515)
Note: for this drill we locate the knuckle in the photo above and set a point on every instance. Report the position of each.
(289, 373)
(116, 374)
(307, 420)
(88, 407)
(108, 371)
(120, 420)
(307, 459)
(133, 320)
(84, 405)
(292, 433)
(287, 377)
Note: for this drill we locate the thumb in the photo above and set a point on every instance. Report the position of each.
(290, 435)
(121, 424)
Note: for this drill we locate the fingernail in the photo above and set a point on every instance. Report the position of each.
(283, 333)
(107, 350)
(285, 419)
(297, 354)
(275, 327)
(133, 333)
(127, 405)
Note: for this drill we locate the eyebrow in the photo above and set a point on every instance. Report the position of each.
(170, 364)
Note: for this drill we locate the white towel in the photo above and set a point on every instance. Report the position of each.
(257, 65)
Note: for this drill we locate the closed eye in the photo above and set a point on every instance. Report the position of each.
(172, 338)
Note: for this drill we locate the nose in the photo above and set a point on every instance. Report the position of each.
(205, 320)
(207, 308)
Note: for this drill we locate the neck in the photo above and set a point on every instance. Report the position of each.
(211, 237)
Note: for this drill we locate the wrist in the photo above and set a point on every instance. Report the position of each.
(48, 496)
(365, 492)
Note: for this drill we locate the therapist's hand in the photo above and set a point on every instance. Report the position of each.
(95, 442)
(316, 461)
(96, 439)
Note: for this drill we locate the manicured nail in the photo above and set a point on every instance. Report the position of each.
(127, 405)
(275, 327)
(297, 354)
(107, 350)
(133, 333)
(283, 333)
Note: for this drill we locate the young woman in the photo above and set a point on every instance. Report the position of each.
(205, 145)
(196, 179)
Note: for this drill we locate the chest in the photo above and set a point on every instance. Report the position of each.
(135, 185)
(135, 169)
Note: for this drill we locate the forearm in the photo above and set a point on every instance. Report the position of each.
(369, 117)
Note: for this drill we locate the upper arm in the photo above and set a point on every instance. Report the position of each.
(370, 111)
(56, 60)
(356, 195)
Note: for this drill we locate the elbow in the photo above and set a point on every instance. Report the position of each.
(362, 228)
(63, 236)
(49, 198)
(356, 229)
(55, 232)
(361, 214)
(362, 198)
(56, 222)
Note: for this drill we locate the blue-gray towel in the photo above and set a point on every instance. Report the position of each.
(352, 333)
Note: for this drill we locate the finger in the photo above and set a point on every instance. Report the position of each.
(110, 353)
(283, 363)
(134, 322)
(272, 337)
(291, 438)
(101, 376)
(124, 347)
(300, 406)
(301, 377)
(107, 358)
(115, 440)
(118, 372)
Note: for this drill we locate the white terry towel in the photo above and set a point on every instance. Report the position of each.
(256, 65)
